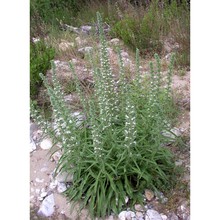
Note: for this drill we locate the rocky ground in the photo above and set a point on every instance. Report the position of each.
(46, 199)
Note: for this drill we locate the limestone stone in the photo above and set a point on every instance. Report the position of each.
(153, 215)
(47, 207)
(46, 144)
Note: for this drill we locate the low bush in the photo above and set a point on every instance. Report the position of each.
(51, 10)
(140, 33)
(40, 57)
(118, 150)
(45, 13)
(146, 26)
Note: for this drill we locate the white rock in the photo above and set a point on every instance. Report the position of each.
(35, 40)
(179, 163)
(122, 215)
(126, 200)
(126, 215)
(39, 180)
(85, 49)
(61, 187)
(164, 217)
(46, 144)
(65, 45)
(53, 184)
(47, 207)
(115, 41)
(32, 146)
(86, 29)
(43, 194)
(153, 215)
(130, 215)
(139, 215)
(146, 217)
(139, 207)
(40, 198)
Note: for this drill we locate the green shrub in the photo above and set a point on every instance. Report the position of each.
(40, 56)
(145, 27)
(143, 34)
(177, 25)
(53, 11)
(117, 151)
(141, 28)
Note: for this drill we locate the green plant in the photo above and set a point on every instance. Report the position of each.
(146, 26)
(117, 150)
(141, 29)
(40, 56)
(52, 13)
(177, 23)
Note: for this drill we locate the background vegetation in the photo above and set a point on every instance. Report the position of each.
(40, 56)
(140, 24)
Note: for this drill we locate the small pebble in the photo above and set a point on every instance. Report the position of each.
(47, 206)
(149, 194)
(53, 184)
(39, 180)
(126, 200)
(46, 144)
(40, 198)
(164, 217)
(139, 207)
(153, 215)
(61, 187)
(139, 215)
(43, 194)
